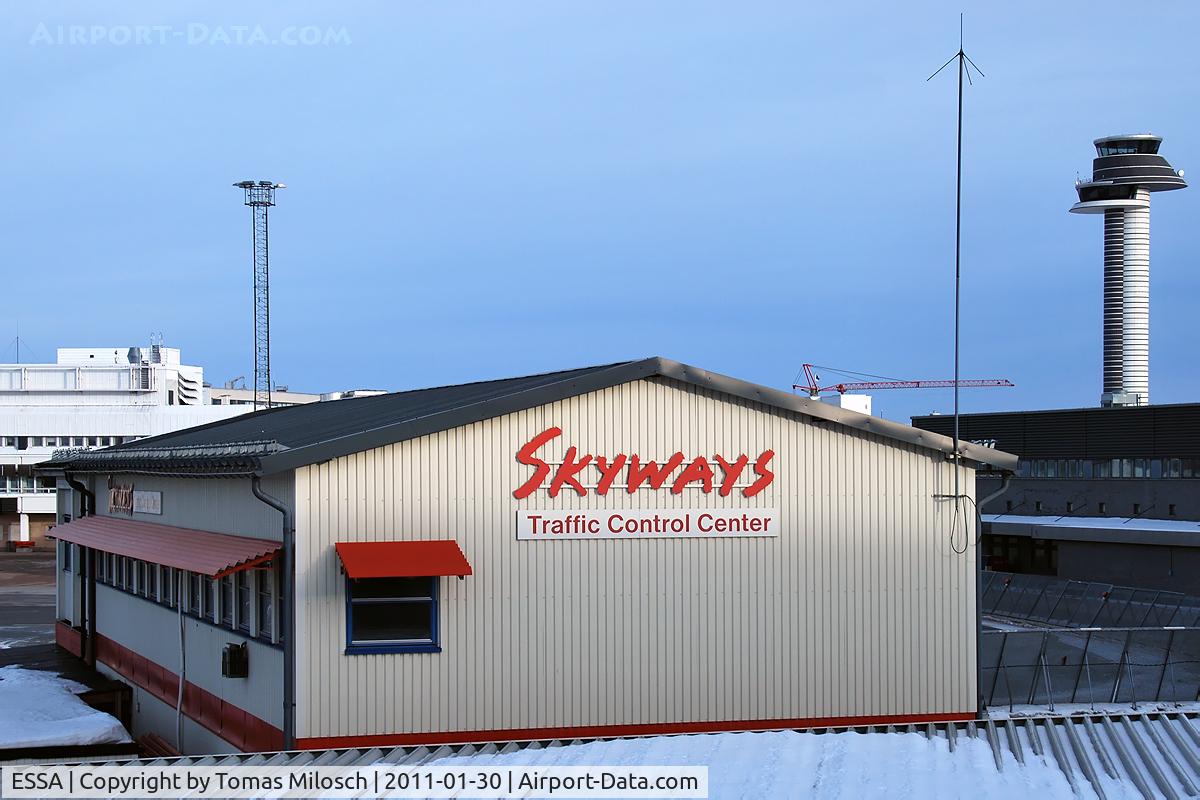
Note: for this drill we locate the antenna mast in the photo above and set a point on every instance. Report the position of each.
(260, 195)
(965, 64)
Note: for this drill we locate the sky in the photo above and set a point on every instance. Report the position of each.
(481, 190)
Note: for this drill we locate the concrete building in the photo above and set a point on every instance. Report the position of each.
(241, 396)
(642, 547)
(1124, 173)
(88, 398)
(1107, 494)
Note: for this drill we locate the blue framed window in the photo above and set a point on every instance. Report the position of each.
(392, 615)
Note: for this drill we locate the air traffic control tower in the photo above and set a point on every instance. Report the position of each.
(1124, 173)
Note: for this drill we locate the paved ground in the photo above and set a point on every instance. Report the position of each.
(26, 599)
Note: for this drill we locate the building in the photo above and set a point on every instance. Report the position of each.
(88, 398)
(229, 395)
(1124, 173)
(1107, 494)
(641, 547)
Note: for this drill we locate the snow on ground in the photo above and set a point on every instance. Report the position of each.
(1070, 709)
(830, 765)
(40, 709)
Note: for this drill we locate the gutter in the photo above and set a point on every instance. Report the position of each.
(1005, 482)
(87, 507)
(287, 611)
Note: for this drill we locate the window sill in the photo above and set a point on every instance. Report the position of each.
(373, 649)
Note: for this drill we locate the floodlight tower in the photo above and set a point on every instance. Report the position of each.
(260, 195)
(1124, 173)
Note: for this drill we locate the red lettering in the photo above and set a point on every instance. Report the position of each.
(526, 456)
(651, 472)
(765, 475)
(697, 470)
(608, 472)
(567, 472)
(732, 472)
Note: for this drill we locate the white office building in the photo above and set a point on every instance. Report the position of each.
(89, 398)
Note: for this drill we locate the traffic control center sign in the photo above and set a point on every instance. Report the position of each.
(585, 474)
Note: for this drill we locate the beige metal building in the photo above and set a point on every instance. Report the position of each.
(633, 548)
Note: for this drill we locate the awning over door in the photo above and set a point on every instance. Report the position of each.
(409, 559)
(212, 554)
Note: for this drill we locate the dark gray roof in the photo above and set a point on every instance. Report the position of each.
(279, 439)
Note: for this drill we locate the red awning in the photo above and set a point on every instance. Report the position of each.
(409, 559)
(212, 554)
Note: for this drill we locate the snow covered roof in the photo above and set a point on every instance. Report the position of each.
(40, 709)
(1177, 532)
(1146, 753)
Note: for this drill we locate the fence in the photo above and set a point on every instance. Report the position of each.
(1112, 665)
(1080, 604)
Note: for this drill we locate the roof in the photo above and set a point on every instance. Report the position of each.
(1146, 753)
(212, 554)
(407, 559)
(1119, 530)
(1154, 431)
(279, 439)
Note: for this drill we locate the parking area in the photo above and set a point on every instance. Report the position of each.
(26, 599)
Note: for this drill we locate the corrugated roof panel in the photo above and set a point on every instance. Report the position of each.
(1151, 753)
(212, 554)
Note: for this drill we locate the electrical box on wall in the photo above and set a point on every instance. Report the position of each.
(235, 661)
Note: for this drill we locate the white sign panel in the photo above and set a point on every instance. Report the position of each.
(147, 502)
(664, 523)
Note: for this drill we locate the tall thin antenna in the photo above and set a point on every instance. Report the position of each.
(965, 64)
(260, 195)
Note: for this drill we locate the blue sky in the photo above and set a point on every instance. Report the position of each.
(486, 189)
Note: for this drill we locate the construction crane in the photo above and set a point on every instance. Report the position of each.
(260, 195)
(814, 388)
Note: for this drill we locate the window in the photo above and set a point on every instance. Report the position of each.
(150, 576)
(1008, 505)
(391, 615)
(1137, 509)
(1070, 506)
(210, 598)
(1103, 507)
(167, 598)
(102, 567)
(227, 601)
(195, 593)
(64, 554)
(245, 600)
(266, 606)
(1170, 509)
(1037, 506)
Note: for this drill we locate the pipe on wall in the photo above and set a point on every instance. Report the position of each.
(287, 611)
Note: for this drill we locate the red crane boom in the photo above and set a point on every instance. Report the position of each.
(814, 388)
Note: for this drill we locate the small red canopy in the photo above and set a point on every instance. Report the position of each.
(212, 554)
(408, 559)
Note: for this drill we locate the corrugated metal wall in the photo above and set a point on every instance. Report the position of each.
(221, 505)
(859, 607)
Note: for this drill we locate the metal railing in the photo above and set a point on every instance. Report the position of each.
(1112, 665)
(1080, 604)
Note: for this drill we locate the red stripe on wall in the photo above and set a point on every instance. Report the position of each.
(600, 731)
(68, 638)
(235, 725)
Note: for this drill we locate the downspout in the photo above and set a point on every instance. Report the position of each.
(1004, 484)
(87, 507)
(287, 611)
